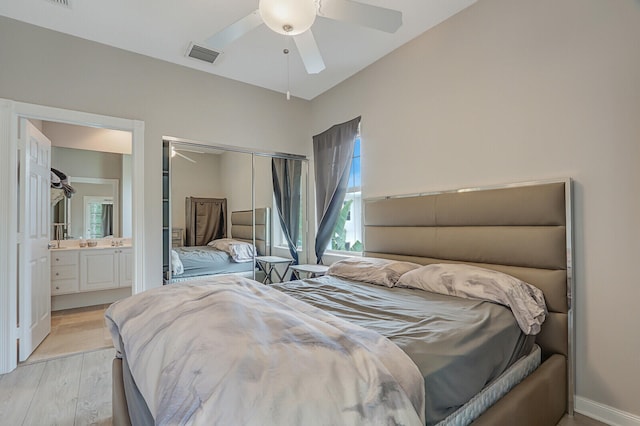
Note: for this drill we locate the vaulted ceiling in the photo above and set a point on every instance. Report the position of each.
(164, 29)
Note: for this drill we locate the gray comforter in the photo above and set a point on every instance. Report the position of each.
(232, 351)
(205, 260)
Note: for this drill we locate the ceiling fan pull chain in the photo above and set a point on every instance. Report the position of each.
(286, 52)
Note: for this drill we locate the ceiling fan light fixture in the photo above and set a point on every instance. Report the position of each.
(288, 17)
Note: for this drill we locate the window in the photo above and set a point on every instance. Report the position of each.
(347, 235)
(98, 219)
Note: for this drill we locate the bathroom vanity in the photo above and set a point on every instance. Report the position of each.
(90, 275)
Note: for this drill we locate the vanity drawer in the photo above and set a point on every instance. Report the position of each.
(64, 272)
(64, 258)
(64, 287)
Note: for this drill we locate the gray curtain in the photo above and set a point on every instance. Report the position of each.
(332, 154)
(287, 180)
(107, 220)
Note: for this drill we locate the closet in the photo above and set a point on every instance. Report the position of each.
(236, 186)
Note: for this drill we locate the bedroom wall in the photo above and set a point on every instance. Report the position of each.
(519, 90)
(236, 167)
(202, 179)
(48, 68)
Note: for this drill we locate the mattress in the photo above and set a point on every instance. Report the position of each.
(459, 345)
(205, 260)
(495, 390)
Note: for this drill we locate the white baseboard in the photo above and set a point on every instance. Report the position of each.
(604, 413)
(88, 298)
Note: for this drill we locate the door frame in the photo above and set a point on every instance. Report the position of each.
(10, 113)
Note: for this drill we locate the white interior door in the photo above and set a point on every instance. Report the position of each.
(34, 275)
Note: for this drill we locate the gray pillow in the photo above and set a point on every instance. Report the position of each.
(471, 282)
(371, 270)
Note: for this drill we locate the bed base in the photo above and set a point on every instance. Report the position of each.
(537, 401)
(540, 399)
(119, 407)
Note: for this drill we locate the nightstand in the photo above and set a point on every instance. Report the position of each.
(268, 264)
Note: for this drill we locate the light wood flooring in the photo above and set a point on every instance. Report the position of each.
(73, 390)
(74, 331)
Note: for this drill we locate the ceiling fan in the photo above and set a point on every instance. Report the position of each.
(176, 151)
(295, 18)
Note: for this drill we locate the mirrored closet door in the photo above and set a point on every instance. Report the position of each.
(232, 211)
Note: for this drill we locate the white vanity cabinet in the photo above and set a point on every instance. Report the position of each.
(64, 272)
(125, 266)
(106, 268)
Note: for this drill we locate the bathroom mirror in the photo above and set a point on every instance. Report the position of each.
(93, 211)
(100, 202)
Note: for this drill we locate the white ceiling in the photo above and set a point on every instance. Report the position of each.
(163, 29)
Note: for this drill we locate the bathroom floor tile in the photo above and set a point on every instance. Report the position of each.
(74, 331)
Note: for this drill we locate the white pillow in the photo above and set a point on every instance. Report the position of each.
(177, 267)
(372, 270)
(238, 250)
(471, 282)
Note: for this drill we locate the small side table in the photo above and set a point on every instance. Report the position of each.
(268, 265)
(311, 271)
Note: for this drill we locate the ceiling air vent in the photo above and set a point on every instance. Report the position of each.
(202, 53)
(65, 3)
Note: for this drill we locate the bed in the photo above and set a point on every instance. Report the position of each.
(523, 230)
(200, 261)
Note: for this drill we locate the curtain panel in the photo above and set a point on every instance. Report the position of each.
(107, 220)
(332, 154)
(206, 220)
(287, 180)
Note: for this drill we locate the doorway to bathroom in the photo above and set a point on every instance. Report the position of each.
(90, 219)
(116, 261)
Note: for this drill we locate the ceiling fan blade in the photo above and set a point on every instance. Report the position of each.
(226, 36)
(309, 52)
(185, 157)
(189, 150)
(382, 19)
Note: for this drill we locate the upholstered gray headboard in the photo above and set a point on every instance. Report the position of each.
(523, 230)
(242, 228)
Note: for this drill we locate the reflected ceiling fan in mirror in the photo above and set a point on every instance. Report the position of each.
(177, 151)
(295, 17)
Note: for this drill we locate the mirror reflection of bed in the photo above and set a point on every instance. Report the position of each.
(214, 229)
(222, 253)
